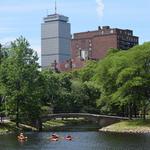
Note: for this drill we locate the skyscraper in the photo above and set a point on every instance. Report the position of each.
(55, 40)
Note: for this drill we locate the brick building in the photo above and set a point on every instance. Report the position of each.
(95, 44)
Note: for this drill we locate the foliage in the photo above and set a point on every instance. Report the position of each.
(115, 85)
(124, 77)
(19, 75)
(86, 73)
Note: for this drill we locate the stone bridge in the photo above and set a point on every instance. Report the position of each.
(102, 120)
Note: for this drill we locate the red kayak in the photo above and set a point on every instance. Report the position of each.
(68, 138)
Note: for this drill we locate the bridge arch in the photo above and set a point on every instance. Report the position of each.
(102, 120)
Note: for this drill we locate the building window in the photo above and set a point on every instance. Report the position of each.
(77, 46)
(90, 44)
(84, 54)
(83, 42)
(73, 65)
(90, 48)
(129, 33)
(111, 31)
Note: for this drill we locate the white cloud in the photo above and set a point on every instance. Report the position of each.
(100, 7)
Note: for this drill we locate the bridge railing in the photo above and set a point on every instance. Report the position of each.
(85, 115)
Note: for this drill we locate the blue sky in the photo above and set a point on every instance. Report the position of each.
(18, 17)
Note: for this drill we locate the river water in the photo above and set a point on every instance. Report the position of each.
(81, 141)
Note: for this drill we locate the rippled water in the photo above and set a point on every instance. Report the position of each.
(81, 141)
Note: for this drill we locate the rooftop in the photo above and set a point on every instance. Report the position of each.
(55, 17)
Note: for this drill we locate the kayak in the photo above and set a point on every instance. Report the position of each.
(54, 136)
(68, 138)
(54, 139)
(22, 138)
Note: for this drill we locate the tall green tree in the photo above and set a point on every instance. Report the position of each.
(3, 55)
(19, 75)
(124, 77)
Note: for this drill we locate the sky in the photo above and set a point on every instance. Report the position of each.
(24, 17)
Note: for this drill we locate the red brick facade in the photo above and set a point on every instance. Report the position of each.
(95, 44)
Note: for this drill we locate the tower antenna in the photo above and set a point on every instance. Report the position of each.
(55, 7)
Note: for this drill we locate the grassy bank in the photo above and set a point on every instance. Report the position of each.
(71, 124)
(130, 126)
(10, 127)
(53, 125)
(7, 127)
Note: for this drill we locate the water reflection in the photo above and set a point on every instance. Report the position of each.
(81, 141)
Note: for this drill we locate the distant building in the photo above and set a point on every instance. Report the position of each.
(60, 52)
(95, 44)
(55, 41)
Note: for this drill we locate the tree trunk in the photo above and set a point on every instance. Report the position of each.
(135, 110)
(144, 113)
(17, 113)
(39, 124)
(17, 103)
(130, 110)
(123, 111)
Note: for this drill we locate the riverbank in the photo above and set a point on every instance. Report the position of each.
(129, 126)
(78, 124)
(10, 127)
(69, 125)
(7, 127)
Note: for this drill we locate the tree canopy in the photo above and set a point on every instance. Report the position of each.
(116, 85)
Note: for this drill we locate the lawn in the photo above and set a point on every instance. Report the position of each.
(130, 126)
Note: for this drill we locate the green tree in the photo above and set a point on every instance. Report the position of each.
(92, 93)
(86, 73)
(106, 76)
(124, 77)
(19, 75)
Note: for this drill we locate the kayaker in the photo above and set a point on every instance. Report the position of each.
(68, 137)
(55, 135)
(22, 137)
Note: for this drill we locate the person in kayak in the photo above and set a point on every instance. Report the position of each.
(68, 137)
(22, 137)
(54, 135)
